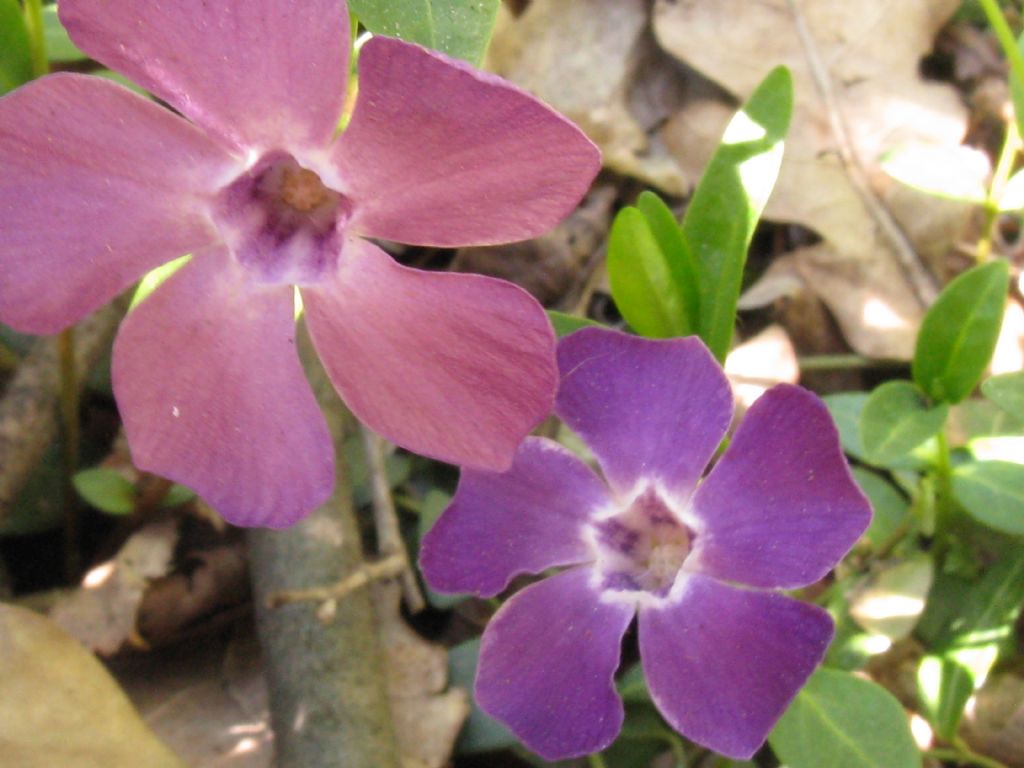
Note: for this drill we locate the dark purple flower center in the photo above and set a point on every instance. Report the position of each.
(643, 547)
(282, 222)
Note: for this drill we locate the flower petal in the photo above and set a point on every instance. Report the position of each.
(521, 521)
(780, 508)
(260, 74)
(98, 186)
(455, 367)
(722, 664)
(213, 395)
(649, 409)
(547, 666)
(438, 153)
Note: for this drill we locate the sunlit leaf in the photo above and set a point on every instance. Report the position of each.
(844, 721)
(959, 333)
(1006, 391)
(896, 419)
(893, 598)
(992, 492)
(728, 202)
(955, 172)
(106, 490)
(460, 28)
(15, 49)
(973, 624)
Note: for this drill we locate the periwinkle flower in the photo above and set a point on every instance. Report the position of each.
(696, 561)
(99, 186)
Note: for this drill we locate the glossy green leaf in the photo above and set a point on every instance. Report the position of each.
(460, 28)
(565, 324)
(58, 45)
(729, 199)
(641, 279)
(481, 733)
(681, 266)
(969, 629)
(955, 172)
(889, 506)
(106, 490)
(844, 721)
(896, 419)
(992, 492)
(15, 48)
(959, 333)
(1007, 391)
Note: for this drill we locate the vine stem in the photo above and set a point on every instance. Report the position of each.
(36, 37)
(964, 756)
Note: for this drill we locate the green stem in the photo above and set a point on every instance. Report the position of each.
(37, 39)
(1005, 37)
(963, 755)
(69, 412)
(596, 760)
(845, 362)
(1004, 167)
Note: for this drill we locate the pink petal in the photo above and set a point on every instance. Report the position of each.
(780, 508)
(722, 664)
(97, 187)
(521, 521)
(547, 666)
(438, 153)
(262, 74)
(213, 396)
(649, 409)
(455, 367)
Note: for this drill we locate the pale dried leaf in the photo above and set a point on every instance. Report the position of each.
(59, 706)
(760, 363)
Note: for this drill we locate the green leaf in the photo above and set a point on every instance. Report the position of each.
(565, 324)
(729, 199)
(845, 409)
(975, 625)
(892, 599)
(641, 279)
(15, 48)
(1007, 391)
(992, 492)
(481, 733)
(106, 490)
(955, 172)
(58, 45)
(460, 28)
(959, 333)
(177, 495)
(896, 419)
(889, 505)
(682, 267)
(844, 721)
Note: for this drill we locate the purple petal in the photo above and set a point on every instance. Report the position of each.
(722, 664)
(649, 409)
(547, 666)
(521, 521)
(780, 508)
(213, 396)
(456, 367)
(97, 187)
(262, 74)
(438, 153)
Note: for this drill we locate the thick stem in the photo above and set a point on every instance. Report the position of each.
(325, 669)
(36, 37)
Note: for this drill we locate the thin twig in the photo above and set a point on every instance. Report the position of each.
(385, 517)
(921, 280)
(388, 568)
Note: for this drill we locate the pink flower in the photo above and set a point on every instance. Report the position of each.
(100, 185)
(697, 562)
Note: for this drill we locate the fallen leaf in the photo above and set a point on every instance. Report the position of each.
(60, 707)
(831, 181)
(761, 362)
(595, 62)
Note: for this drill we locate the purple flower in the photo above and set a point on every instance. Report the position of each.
(695, 560)
(100, 185)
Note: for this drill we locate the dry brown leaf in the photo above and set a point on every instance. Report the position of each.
(761, 362)
(59, 707)
(869, 54)
(595, 62)
(102, 612)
